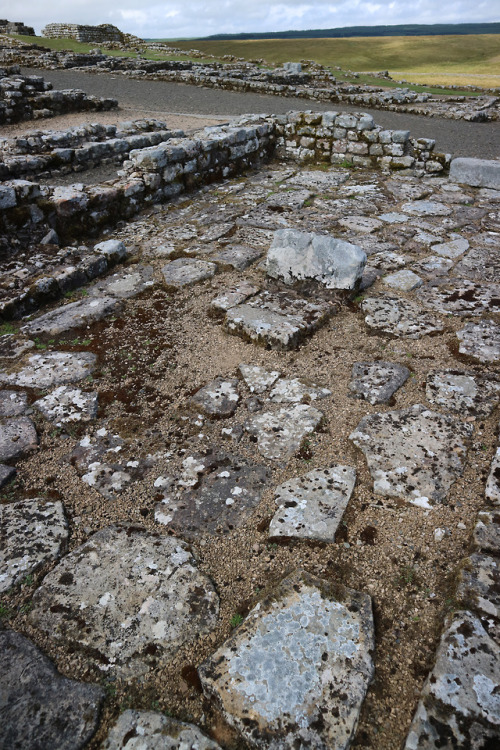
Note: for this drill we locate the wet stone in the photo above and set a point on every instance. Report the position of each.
(17, 438)
(257, 378)
(148, 730)
(232, 297)
(461, 697)
(75, 315)
(294, 391)
(52, 368)
(296, 672)
(479, 586)
(40, 708)
(492, 491)
(277, 321)
(32, 533)
(128, 597)
(217, 399)
(461, 297)
(226, 492)
(426, 208)
(280, 434)
(12, 403)
(481, 341)
(399, 317)
(186, 271)
(415, 454)
(404, 280)
(66, 405)
(377, 381)
(312, 506)
(463, 392)
(125, 284)
(487, 532)
(236, 256)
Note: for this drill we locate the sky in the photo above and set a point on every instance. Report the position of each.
(190, 18)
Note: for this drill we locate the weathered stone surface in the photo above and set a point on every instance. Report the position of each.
(277, 321)
(487, 532)
(377, 382)
(434, 265)
(232, 297)
(413, 453)
(217, 399)
(6, 474)
(479, 586)
(39, 707)
(463, 392)
(114, 250)
(319, 181)
(394, 217)
(75, 315)
(65, 405)
(295, 390)
(426, 208)
(483, 173)
(128, 596)
(279, 434)
(460, 703)
(236, 256)
(125, 284)
(223, 492)
(404, 280)
(452, 249)
(365, 224)
(257, 378)
(480, 341)
(32, 533)
(186, 271)
(312, 506)
(461, 297)
(52, 368)
(480, 263)
(399, 317)
(148, 730)
(492, 491)
(12, 403)
(295, 673)
(298, 256)
(17, 438)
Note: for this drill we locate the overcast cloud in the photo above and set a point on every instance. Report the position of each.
(190, 18)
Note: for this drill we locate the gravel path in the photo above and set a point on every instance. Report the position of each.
(161, 98)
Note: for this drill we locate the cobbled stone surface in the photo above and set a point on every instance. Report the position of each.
(487, 532)
(258, 379)
(479, 586)
(185, 272)
(148, 730)
(399, 317)
(463, 392)
(280, 434)
(481, 341)
(290, 391)
(75, 315)
(378, 381)
(65, 405)
(217, 399)
(462, 298)
(12, 403)
(51, 368)
(17, 438)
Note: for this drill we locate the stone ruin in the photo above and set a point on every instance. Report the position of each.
(105, 32)
(15, 27)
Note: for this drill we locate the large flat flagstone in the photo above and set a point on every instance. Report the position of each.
(127, 596)
(481, 263)
(149, 730)
(480, 341)
(487, 532)
(187, 271)
(17, 437)
(460, 703)
(52, 368)
(415, 454)
(280, 434)
(295, 673)
(66, 405)
(479, 585)
(277, 321)
(13, 403)
(297, 390)
(258, 379)
(426, 208)
(39, 707)
(483, 173)
(399, 317)
(75, 315)
(461, 297)
(217, 399)
(312, 506)
(125, 284)
(236, 256)
(32, 533)
(377, 381)
(220, 497)
(463, 392)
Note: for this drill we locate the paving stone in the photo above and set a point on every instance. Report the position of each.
(295, 673)
(404, 281)
(277, 321)
(461, 297)
(226, 491)
(52, 368)
(217, 399)
(388, 260)
(39, 707)
(426, 208)
(148, 730)
(492, 491)
(77, 314)
(377, 381)
(114, 250)
(186, 271)
(125, 284)
(279, 434)
(232, 297)
(128, 598)
(291, 200)
(463, 392)
(452, 249)
(361, 223)
(32, 533)
(293, 391)
(17, 438)
(481, 341)
(12, 348)
(480, 264)
(299, 256)
(460, 704)
(257, 378)
(479, 585)
(7, 473)
(487, 532)
(312, 506)
(66, 405)
(217, 231)
(13, 403)
(393, 217)
(399, 317)
(434, 265)
(483, 173)
(415, 454)
(319, 181)
(236, 256)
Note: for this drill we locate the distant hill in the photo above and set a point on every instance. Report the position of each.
(408, 29)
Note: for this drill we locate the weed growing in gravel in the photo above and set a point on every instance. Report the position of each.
(236, 620)
(5, 611)
(7, 329)
(407, 575)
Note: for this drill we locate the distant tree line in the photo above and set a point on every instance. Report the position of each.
(407, 29)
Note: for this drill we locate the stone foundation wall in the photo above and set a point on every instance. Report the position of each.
(105, 32)
(15, 27)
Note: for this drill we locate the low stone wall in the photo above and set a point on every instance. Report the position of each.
(15, 27)
(105, 32)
